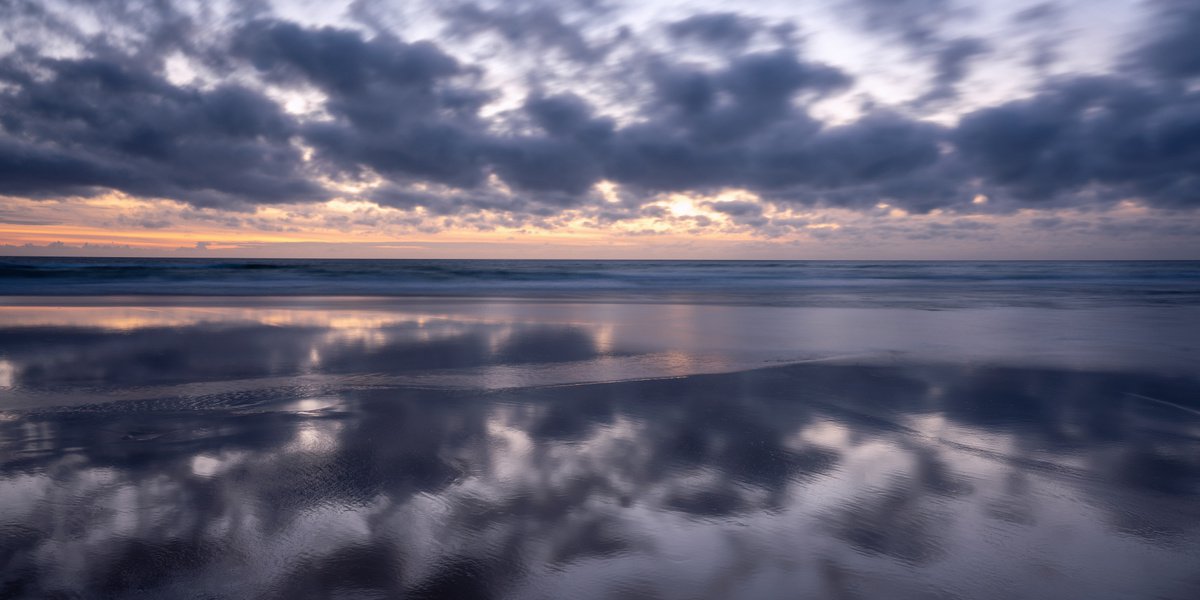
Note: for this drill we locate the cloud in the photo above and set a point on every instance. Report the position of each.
(395, 107)
(876, 148)
(1106, 134)
(567, 157)
(695, 103)
(78, 126)
(951, 62)
(921, 26)
(1044, 21)
(915, 22)
(1173, 52)
(737, 208)
(531, 27)
(724, 29)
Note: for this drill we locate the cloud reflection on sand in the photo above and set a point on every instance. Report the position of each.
(851, 480)
(288, 453)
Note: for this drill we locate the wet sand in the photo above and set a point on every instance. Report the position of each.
(495, 449)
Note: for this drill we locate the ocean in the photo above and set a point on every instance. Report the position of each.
(598, 429)
(919, 284)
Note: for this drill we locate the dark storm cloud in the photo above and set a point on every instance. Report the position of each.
(735, 125)
(566, 158)
(411, 112)
(78, 126)
(1134, 140)
(567, 115)
(547, 165)
(876, 148)
(1095, 139)
(706, 126)
(1174, 52)
(381, 85)
(396, 110)
(749, 93)
(737, 208)
(725, 29)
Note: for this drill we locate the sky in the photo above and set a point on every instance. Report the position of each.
(828, 129)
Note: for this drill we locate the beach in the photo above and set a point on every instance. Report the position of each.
(620, 429)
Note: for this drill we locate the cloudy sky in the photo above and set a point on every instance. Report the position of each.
(601, 128)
